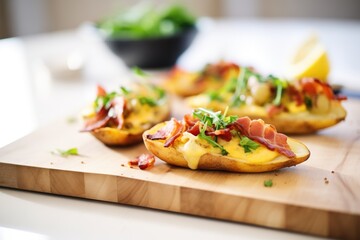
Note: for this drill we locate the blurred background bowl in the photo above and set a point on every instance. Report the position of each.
(157, 52)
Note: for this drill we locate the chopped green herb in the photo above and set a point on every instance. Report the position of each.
(240, 88)
(216, 119)
(215, 96)
(202, 135)
(160, 92)
(248, 144)
(308, 102)
(268, 183)
(147, 100)
(66, 153)
(104, 101)
(230, 86)
(124, 90)
(280, 86)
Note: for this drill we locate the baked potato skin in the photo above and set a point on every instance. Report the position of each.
(211, 161)
(288, 123)
(116, 137)
(121, 137)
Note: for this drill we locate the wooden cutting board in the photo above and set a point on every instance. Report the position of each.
(319, 197)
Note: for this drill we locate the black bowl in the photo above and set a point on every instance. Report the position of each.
(157, 52)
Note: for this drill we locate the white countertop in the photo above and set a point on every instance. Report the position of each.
(34, 91)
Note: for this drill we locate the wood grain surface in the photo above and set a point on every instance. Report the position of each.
(319, 197)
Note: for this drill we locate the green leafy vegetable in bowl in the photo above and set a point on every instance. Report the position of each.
(143, 21)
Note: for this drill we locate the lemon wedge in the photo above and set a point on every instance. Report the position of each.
(310, 60)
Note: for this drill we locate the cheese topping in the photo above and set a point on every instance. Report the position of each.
(193, 148)
(144, 116)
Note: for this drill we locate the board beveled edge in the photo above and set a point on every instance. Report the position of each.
(191, 201)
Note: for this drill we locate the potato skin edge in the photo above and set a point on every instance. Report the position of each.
(118, 137)
(210, 161)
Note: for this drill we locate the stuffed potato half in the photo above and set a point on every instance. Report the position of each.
(212, 76)
(120, 117)
(303, 106)
(239, 145)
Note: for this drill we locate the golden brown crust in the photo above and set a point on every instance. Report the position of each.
(120, 137)
(301, 125)
(288, 123)
(211, 161)
(116, 137)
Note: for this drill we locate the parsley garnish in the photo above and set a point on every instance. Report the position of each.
(124, 90)
(160, 92)
(308, 102)
(240, 88)
(248, 144)
(268, 183)
(153, 101)
(104, 101)
(280, 86)
(215, 96)
(66, 153)
(147, 100)
(213, 119)
(216, 119)
(202, 135)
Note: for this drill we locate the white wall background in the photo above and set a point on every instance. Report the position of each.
(36, 16)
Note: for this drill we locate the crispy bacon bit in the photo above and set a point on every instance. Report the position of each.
(178, 129)
(105, 117)
(100, 120)
(194, 129)
(222, 133)
(295, 95)
(144, 161)
(164, 132)
(193, 126)
(119, 105)
(220, 69)
(134, 162)
(265, 134)
(170, 132)
(273, 110)
(313, 87)
(101, 92)
(190, 120)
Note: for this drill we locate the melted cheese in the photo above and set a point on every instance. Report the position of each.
(145, 116)
(258, 156)
(294, 108)
(193, 148)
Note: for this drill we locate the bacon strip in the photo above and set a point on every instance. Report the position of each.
(144, 161)
(103, 118)
(190, 120)
(222, 133)
(195, 129)
(164, 132)
(100, 120)
(178, 129)
(265, 134)
(313, 87)
(101, 92)
(119, 104)
(170, 132)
